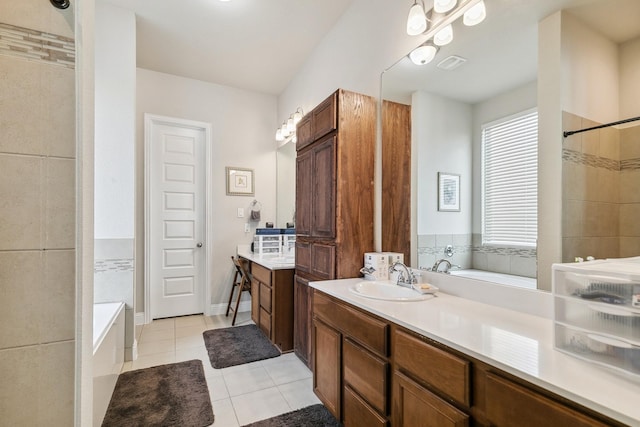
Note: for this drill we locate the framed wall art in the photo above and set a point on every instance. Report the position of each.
(448, 192)
(240, 182)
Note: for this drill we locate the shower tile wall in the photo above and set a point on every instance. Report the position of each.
(601, 191)
(37, 208)
(630, 191)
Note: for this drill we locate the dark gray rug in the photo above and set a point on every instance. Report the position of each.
(237, 345)
(311, 416)
(166, 395)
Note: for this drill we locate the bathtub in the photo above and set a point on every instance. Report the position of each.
(500, 278)
(108, 354)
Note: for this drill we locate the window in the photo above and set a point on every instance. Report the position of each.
(510, 180)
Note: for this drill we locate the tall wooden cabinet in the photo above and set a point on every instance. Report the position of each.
(334, 198)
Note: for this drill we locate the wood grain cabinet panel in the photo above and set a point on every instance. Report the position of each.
(414, 405)
(360, 327)
(302, 319)
(334, 190)
(357, 413)
(304, 131)
(443, 370)
(324, 117)
(327, 366)
(366, 374)
(510, 404)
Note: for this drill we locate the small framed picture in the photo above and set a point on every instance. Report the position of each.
(448, 192)
(240, 182)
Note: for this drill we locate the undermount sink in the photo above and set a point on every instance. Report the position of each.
(386, 291)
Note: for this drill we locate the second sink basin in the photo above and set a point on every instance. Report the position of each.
(386, 291)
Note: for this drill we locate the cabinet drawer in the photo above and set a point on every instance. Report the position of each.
(414, 405)
(445, 371)
(509, 403)
(265, 322)
(358, 413)
(363, 329)
(265, 297)
(261, 273)
(366, 374)
(323, 263)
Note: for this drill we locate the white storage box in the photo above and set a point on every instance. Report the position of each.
(267, 244)
(597, 312)
(379, 264)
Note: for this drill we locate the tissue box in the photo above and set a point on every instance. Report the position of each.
(379, 262)
(394, 257)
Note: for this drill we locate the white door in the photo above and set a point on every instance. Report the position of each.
(176, 209)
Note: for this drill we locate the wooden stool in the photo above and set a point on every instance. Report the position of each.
(242, 281)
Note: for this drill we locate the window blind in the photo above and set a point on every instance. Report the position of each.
(510, 180)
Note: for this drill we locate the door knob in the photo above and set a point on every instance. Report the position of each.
(199, 244)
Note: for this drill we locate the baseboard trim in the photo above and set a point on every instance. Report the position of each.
(214, 310)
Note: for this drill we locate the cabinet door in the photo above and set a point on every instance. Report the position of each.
(414, 405)
(304, 132)
(301, 319)
(323, 261)
(326, 366)
(323, 206)
(304, 188)
(324, 117)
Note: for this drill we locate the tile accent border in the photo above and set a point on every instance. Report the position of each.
(590, 160)
(112, 265)
(37, 46)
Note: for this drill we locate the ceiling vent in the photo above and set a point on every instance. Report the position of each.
(451, 62)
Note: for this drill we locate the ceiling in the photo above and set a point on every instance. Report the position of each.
(502, 51)
(257, 45)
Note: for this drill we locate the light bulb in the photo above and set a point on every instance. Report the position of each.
(423, 54)
(417, 20)
(475, 15)
(444, 36)
(291, 127)
(279, 136)
(443, 6)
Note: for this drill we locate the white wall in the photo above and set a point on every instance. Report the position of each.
(243, 129)
(115, 90)
(368, 38)
(441, 132)
(590, 79)
(502, 105)
(629, 81)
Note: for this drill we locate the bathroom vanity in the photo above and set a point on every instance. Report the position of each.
(451, 361)
(272, 296)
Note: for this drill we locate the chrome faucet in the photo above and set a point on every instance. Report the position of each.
(436, 266)
(406, 281)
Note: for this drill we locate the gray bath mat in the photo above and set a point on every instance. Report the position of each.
(237, 345)
(166, 395)
(311, 416)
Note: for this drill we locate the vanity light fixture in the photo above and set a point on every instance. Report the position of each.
(444, 36)
(423, 54)
(417, 20)
(287, 132)
(475, 15)
(436, 24)
(444, 6)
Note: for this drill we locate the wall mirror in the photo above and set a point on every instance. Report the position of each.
(286, 184)
(488, 74)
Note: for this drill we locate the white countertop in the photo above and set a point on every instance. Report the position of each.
(272, 262)
(518, 343)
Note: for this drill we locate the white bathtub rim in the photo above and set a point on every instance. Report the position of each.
(104, 315)
(499, 278)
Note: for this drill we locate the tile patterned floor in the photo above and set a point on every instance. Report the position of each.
(239, 394)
